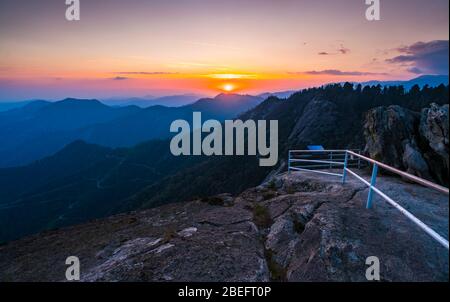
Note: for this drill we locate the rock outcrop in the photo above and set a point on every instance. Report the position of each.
(318, 120)
(294, 227)
(434, 124)
(411, 141)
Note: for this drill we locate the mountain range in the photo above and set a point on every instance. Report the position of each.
(41, 128)
(5, 106)
(430, 80)
(84, 181)
(147, 101)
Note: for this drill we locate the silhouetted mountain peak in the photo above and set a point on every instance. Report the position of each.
(226, 105)
(224, 95)
(233, 97)
(83, 102)
(37, 104)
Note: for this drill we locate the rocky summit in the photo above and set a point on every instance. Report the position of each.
(294, 227)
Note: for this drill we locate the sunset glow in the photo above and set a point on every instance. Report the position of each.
(228, 87)
(207, 47)
(232, 76)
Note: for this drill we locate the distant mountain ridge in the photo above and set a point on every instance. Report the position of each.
(5, 106)
(147, 101)
(41, 128)
(430, 80)
(278, 94)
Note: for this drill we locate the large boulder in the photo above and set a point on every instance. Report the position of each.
(391, 137)
(410, 141)
(433, 129)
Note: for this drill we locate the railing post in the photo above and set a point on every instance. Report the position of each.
(373, 182)
(289, 162)
(359, 160)
(331, 159)
(344, 172)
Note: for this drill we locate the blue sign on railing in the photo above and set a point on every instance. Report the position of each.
(315, 147)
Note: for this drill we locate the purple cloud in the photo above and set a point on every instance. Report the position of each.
(119, 78)
(145, 72)
(424, 57)
(415, 70)
(343, 50)
(336, 72)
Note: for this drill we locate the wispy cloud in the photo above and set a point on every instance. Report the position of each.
(145, 72)
(424, 57)
(229, 76)
(119, 78)
(199, 65)
(342, 50)
(335, 72)
(415, 70)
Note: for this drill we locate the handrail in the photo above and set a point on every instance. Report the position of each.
(324, 158)
(316, 161)
(320, 172)
(372, 183)
(422, 225)
(404, 174)
(316, 151)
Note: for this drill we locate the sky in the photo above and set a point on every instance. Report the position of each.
(164, 47)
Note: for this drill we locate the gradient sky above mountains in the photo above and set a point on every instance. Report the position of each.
(138, 47)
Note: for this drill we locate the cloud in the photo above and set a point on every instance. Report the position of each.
(424, 57)
(336, 72)
(145, 72)
(119, 78)
(342, 50)
(415, 70)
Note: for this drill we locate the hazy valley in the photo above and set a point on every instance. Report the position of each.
(124, 163)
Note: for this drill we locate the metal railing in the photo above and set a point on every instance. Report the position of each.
(312, 160)
(306, 160)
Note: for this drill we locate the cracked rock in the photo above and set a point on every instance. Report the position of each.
(315, 229)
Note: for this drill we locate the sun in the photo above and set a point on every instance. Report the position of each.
(228, 87)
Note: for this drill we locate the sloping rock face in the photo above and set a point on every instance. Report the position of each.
(433, 129)
(411, 141)
(322, 232)
(319, 120)
(323, 122)
(295, 227)
(192, 241)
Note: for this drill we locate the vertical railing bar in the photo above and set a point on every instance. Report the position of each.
(289, 163)
(344, 173)
(373, 182)
(359, 160)
(331, 159)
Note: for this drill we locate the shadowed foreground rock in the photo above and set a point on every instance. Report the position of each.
(298, 227)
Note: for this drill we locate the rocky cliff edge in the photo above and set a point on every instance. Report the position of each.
(296, 227)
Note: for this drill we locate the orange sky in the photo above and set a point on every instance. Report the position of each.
(137, 47)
